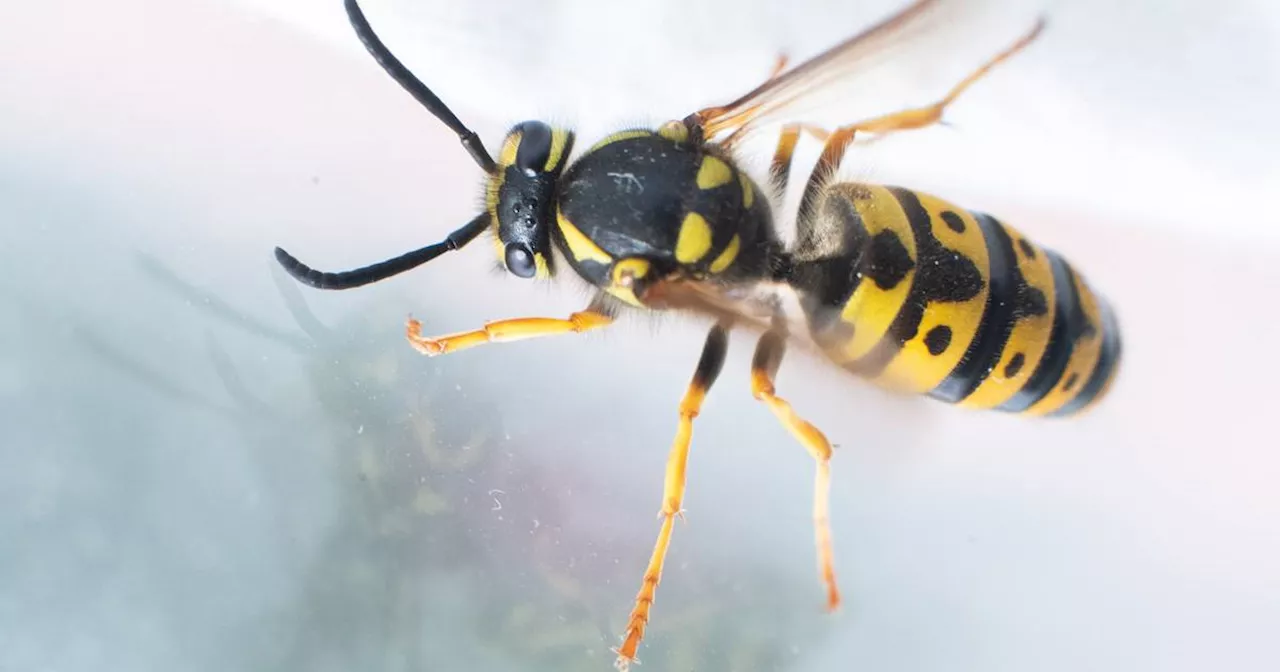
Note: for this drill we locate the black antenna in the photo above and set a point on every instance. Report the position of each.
(385, 269)
(416, 88)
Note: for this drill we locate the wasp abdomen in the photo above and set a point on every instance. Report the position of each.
(920, 295)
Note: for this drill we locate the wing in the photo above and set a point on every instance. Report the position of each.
(852, 66)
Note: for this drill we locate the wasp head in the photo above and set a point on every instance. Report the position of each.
(521, 195)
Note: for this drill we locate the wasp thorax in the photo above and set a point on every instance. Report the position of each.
(643, 207)
(522, 195)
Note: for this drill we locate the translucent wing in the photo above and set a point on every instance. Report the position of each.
(850, 67)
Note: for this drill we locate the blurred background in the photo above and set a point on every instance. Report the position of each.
(206, 466)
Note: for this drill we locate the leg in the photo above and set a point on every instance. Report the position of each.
(502, 331)
(764, 367)
(704, 376)
(780, 167)
(920, 117)
(928, 115)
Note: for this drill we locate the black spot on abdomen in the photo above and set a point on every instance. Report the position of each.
(938, 339)
(1108, 360)
(1027, 248)
(942, 275)
(1030, 300)
(1009, 300)
(1015, 365)
(954, 222)
(1071, 382)
(889, 261)
(998, 317)
(1087, 329)
(1067, 319)
(827, 282)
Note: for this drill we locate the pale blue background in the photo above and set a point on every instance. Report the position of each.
(140, 532)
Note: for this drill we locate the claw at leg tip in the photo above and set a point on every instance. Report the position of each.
(623, 663)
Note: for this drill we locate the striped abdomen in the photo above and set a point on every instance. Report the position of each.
(920, 295)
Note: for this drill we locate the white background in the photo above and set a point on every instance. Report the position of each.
(1137, 139)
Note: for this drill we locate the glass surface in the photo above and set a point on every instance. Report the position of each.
(204, 465)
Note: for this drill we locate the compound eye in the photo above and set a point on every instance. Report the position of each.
(519, 260)
(535, 147)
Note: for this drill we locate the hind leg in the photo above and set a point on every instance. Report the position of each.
(764, 367)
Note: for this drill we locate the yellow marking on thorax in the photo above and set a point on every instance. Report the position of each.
(728, 256)
(914, 368)
(695, 239)
(1030, 335)
(871, 309)
(674, 131)
(622, 276)
(713, 172)
(1084, 357)
(621, 135)
(748, 193)
(580, 246)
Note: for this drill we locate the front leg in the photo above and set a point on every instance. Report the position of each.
(593, 317)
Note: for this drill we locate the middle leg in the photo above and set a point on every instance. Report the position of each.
(709, 366)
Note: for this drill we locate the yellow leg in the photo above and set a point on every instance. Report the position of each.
(715, 119)
(910, 119)
(504, 331)
(764, 367)
(928, 115)
(780, 166)
(837, 141)
(704, 376)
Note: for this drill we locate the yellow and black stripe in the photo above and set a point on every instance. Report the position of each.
(922, 296)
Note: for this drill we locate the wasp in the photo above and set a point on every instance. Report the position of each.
(899, 287)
